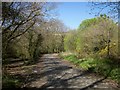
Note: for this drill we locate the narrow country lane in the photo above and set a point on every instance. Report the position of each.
(37, 37)
(53, 72)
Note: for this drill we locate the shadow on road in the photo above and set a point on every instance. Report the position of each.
(52, 69)
(61, 83)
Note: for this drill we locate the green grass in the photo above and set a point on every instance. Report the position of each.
(10, 82)
(104, 67)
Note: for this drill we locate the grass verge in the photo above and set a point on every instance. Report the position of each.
(105, 67)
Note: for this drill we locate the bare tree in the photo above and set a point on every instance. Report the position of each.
(53, 35)
(110, 8)
(19, 17)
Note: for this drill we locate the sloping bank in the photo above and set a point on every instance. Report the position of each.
(104, 67)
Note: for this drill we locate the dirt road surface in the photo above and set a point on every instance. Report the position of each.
(53, 72)
(57, 73)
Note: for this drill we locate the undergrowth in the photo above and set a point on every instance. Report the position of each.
(10, 82)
